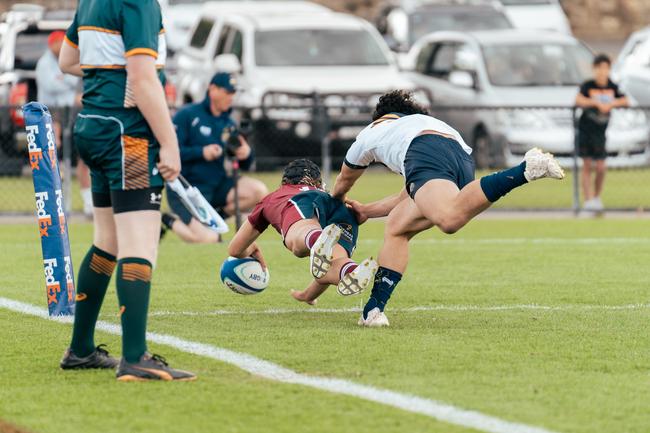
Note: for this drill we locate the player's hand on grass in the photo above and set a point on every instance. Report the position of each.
(301, 296)
(212, 152)
(358, 210)
(169, 163)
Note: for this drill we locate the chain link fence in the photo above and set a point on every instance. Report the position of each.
(322, 128)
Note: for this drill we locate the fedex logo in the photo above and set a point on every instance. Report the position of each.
(53, 287)
(35, 152)
(44, 219)
(59, 209)
(69, 283)
(51, 145)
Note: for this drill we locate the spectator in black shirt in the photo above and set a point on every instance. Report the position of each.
(597, 97)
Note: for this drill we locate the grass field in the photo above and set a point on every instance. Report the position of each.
(538, 322)
(624, 189)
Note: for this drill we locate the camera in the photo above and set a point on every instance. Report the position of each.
(230, 139)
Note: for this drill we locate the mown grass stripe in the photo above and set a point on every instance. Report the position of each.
(438, 410)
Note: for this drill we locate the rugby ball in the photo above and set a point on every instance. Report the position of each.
(244, 276)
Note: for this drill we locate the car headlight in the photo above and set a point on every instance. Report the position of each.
(288, 106)
(523, 119)
(628, 119)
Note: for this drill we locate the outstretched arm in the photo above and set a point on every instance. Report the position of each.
(376, 209)
(243, 244)
(345, 180)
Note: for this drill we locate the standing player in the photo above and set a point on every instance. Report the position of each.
(299, 210)
(440, 186)
(118, 47)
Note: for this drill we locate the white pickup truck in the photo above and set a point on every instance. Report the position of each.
(298, 63)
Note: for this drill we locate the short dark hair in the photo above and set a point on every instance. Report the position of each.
(302, 172)
(397, 101)
(602, 58)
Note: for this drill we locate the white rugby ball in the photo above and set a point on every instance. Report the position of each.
(244, 276)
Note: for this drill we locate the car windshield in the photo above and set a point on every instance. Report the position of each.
(29, 48)
(423, 22)
(537, 64)
(317, 47)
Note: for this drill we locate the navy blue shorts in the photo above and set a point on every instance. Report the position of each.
(215, 195)
(329, 210)
(432, 156)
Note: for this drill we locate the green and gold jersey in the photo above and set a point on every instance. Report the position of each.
(107, 32)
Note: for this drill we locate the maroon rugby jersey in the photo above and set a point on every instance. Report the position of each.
(272, 208)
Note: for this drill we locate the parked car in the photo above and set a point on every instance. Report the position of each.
(290, 64)
(491, 72)
(24, 41)
(632, 68)
(403, 22)
(537, 15)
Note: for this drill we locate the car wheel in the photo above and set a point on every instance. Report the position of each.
(481, 148)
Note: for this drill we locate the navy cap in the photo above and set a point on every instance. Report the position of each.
(225, 81)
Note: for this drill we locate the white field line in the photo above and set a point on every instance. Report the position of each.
(517, 241)
(307, 310)
(438, 410)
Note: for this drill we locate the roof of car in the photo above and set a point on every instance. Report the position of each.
(512, 36)
(306, 20)
(260, 7)
(449, 5)
(516, 36)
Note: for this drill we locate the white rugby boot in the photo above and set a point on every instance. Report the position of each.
(320, 256)
(540, 165)
(358, 280)
(375, 319)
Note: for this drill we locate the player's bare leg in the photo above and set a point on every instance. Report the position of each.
(298, 236)
(601, 169)
(194, 232)
(83, 176)
(250, 192)
(585, 178)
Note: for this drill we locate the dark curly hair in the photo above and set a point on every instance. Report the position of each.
(302, 172)
(397, 101)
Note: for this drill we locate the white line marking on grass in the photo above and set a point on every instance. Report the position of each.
(516, 241)
(438, 410)
(277, 311)
(506, 241)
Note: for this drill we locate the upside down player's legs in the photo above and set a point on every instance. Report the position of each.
(301, 235)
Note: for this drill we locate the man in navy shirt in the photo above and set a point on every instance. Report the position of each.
(202, 130)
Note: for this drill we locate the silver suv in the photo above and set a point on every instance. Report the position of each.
(403, 22)
(489, 73)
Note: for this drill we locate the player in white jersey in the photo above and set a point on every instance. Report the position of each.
(440, 187)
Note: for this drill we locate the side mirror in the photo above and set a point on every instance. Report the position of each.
(462, 79)
(466, 60)
(227, 63)
(405, 62)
